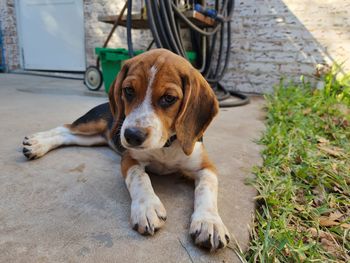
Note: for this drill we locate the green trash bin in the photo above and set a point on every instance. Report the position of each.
(111, 62)
(112, 59)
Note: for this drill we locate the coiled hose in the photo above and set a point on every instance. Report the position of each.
(165, 19)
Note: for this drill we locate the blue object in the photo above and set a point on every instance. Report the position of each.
(209, 12)
(205, 11)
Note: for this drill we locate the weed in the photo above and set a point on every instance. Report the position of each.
(304, 182)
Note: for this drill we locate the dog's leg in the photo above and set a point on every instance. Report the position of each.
(147, 211)
(88, 130)
(207, 228)
(38, 144)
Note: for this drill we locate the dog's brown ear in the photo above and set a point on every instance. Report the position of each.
(115, 99)
(199, 107)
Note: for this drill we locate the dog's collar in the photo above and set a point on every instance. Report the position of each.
(170, 141)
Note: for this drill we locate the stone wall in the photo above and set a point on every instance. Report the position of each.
(276, 39)
(96, 32)
(9, 34)
(272, 39)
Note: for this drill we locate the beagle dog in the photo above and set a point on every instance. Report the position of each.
(159, 107)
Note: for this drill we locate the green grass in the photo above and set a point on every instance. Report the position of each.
(303, 206)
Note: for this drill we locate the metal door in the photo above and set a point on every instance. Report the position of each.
(52, 34)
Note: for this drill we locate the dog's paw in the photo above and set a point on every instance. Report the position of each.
(208, 231)
(147, 215)
(35, 146)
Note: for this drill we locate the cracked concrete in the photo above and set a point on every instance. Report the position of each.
(72, 205)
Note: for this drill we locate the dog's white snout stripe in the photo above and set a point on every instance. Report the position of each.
(145, 117)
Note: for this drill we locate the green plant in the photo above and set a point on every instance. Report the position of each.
(303, 211)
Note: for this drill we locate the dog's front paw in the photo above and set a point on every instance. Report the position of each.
(147, 215)
(35, 146)
(207, 230)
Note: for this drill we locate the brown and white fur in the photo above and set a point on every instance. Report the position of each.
(155, 96)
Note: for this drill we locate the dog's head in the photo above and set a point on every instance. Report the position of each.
(158, 94)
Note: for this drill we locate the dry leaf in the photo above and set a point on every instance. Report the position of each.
(285, 169)
(307, 111)
(298, 160)
(336, 189)
(345, 110)
(328, 242)
(329, 245)
(332, 219)
(300, 208)
(342, 122)
(325, 221)
(320, 233)
(335, 215)
(300, 197)
(335, 249)
(345, 225)
(334, 151)
(322, 140)
(319, 194)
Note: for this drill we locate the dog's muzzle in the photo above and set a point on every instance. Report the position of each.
(135, 136)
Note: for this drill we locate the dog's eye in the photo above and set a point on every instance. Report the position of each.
(167, 100)
(129, 93)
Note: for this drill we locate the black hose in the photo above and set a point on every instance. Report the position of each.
(162, 33)
(164, 21)
(178, 29)
(210, 54)
(152, 25)
(227, 58)
(221, 46)
(199, 45)
(216, 76)
(168, 30)
(193, 26)
(228, 102)
(128, 29)
(174, 28)
(150, 45)
(203, 53)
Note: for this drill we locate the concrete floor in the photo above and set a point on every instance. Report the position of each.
(72, 204)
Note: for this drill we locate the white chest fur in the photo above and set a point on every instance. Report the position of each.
(170, 159)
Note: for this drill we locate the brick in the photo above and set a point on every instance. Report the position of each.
(260, 88)
(273, 21)
(271, 56)
(252, 78)
(258, 67)
(313, 58)
(298, 68)
(264, 78)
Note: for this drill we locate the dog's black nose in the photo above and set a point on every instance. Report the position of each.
(135, 136)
